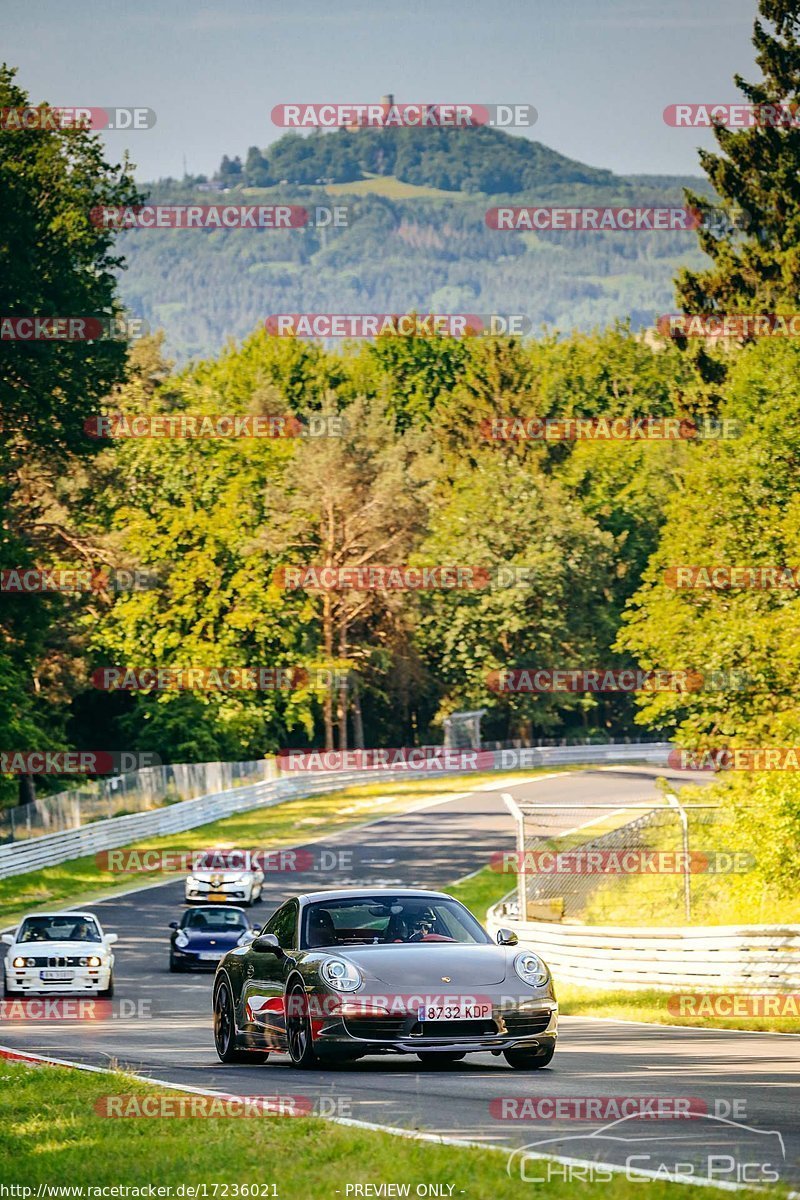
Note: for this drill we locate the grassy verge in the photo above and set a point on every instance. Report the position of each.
(82, 879)
(50, 1133)
(654, 1007)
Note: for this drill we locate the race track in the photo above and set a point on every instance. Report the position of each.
(750, 1079)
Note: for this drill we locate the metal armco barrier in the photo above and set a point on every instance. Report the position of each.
(726, 958)
(33, 853)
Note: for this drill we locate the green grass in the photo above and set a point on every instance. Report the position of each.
(393, 188)
(652, 1006)
(288, 824)
(51, 1134)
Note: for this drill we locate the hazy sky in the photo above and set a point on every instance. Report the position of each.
(600, 72)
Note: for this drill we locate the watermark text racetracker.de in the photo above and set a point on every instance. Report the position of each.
(220, 678)
(28, 328)
(36, 580)
(622, 862)
(76, 762)
(215, 425)
(74, 1008)
(584, 218)
(220, 216)
(606, 429)
(148, 861)
(402, 115)
(372, 325)
(49, 118)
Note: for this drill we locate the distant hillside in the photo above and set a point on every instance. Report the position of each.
(416, 238)
(455, 160)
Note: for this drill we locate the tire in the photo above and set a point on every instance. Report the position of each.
(225, 1033)
(107, 992)
(529, 1060)
(7, 992)
(298, 1030)
(173, 966)
(432, 1059)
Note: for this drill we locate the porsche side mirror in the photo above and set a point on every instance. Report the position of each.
(267, 943)
(8, 938)
(111, 938)
(507, 937)
(174, 925)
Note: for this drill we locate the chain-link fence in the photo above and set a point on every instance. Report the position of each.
(575, 863)
(138, 791)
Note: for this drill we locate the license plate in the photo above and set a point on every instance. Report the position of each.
(210, 957)
(462, 1011)
(218, 895)
(56, 974)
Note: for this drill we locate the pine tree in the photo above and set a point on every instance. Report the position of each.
(753, 234)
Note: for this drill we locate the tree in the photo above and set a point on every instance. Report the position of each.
(355, 501)
(54, 261)
(754, 250)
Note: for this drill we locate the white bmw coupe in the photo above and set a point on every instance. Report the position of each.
(59, 953)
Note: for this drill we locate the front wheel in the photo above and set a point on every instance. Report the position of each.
(225, 1031)
(432, 1059)
(298, 1030)
(529, 1060)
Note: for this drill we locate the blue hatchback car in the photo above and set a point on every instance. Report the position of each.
(204, 934)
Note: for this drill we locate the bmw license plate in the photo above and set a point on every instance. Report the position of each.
(57, 975)
(461, 1011)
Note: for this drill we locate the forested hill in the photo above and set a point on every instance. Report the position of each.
(456, 160)
(416, 238)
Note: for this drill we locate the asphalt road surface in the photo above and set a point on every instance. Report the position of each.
(744, 1087)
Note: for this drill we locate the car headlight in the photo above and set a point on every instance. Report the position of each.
(341, 975)
(94, 960)
(192, 882)
(24, 962)
(181, 939)
(246, 938)
(531, 969)
(245, 877)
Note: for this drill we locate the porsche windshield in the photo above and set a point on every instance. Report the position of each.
(365, 920)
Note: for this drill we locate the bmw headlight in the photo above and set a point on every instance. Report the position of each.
(92, 961)
(181, 939)
(531, 969)
(341, 975)
(20, 962)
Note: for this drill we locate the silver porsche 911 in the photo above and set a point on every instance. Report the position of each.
(336, 975)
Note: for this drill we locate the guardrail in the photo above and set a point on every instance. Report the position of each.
(32, 854)
(728, 958)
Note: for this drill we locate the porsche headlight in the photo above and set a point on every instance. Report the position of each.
(531, 969)
(341, 975)
(181, 939)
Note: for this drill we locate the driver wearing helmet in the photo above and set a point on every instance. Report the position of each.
(422, 925)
